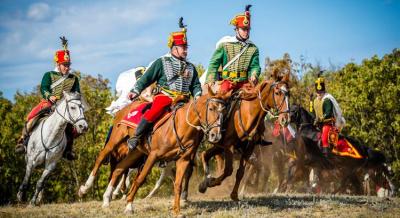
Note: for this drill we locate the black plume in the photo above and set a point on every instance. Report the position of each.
(64, 41)
(319, 74)
(248, 7)
(181, 25)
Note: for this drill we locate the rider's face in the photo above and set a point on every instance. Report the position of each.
(180, 51)
(244, 33)
(64, 67)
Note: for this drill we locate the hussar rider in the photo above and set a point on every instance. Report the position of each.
(54, 83)
(328, 115)
(237, 56)
(174, 75)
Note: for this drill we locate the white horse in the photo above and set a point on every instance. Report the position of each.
(48, 141)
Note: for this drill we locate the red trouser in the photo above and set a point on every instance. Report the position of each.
(42, 105)
(325, 135)
(160, 102)
(228, 85)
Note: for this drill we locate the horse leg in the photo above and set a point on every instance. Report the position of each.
(120, 169)
(40, 183)
(240, 172)
(128, 182)
(151, 159)
(24, 185)
(160, 180)
(188, 175)
(228, 169)
(117, 136)
(181, 167)
(119, 186)
(205, 158)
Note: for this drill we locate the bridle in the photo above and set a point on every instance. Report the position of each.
(70, 119)
(206, 126)
(274, 112)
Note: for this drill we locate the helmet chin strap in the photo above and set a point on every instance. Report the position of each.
(239, 37)
(178, 53)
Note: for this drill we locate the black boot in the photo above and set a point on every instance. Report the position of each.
(68, 153)
(325, 151)
(22, 142)
(143, 126)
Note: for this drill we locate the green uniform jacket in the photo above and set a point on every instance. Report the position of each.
(248, 62)
(157, 73)
(323, 110)
(71, 84)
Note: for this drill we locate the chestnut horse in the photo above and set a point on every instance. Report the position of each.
(177, 139)
(244, 126)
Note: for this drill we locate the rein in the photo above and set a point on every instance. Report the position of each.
(206, 127)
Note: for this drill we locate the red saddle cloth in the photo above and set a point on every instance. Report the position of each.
(345, 148)
(132, 119)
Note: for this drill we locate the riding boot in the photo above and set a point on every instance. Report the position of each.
(141, 129)
(68, 153)
(22, 142)
(325, 151)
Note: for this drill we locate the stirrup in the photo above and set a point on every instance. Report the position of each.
(133, 143)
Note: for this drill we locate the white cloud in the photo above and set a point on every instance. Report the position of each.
(38, 11)
(101, 35)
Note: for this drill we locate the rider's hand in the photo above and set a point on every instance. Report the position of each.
(132, 95)
(53, 99)
(253, 80)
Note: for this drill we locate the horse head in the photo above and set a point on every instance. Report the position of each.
(72, 108)
(276, 96)
(215, 110)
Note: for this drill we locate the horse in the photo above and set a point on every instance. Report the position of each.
(244, 126)
(48, 141)
(116, 144)
(175, 139)
(343, 168)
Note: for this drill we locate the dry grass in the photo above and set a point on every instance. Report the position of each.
(202, 206)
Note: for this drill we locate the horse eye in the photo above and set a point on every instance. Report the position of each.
(73, 107)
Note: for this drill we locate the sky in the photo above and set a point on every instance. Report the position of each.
(109, 37)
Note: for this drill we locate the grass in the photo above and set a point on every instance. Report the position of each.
(292, 205)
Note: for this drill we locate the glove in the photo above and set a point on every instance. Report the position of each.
(132, 95)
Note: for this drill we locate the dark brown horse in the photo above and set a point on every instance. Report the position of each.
(176, 139)
(342, 168)
(243, 128)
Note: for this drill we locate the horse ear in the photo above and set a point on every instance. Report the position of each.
(227, 95)
(286, 78)
(210, 91)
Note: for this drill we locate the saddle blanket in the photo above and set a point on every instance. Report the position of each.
(345, 148)
(133, 118)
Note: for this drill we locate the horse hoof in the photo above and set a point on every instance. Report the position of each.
(105, 205)
(203, 187)
(19, 196)
(123, 197)
(114, 197)
(129, 208)
(234, 197)
(81, 191)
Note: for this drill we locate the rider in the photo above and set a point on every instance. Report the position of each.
(52, 87)
(237, 55)
(174, 75)
(327, 112)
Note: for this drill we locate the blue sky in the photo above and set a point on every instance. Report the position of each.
(108, 37)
